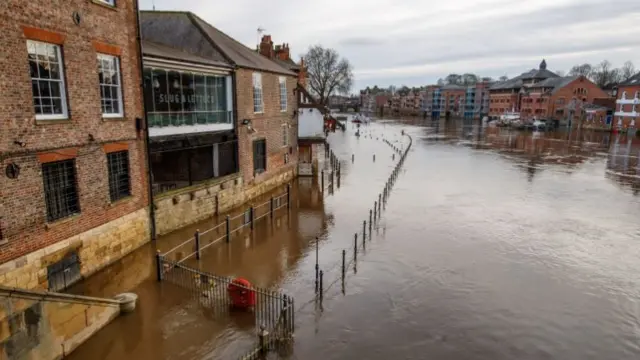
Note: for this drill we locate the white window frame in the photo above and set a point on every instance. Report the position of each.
(258, 102)
(120, 112)
(285, 135)
(282, 84)
(63, 88)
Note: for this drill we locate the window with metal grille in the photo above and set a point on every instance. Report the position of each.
(285, 135)
(260, 155)
(119, 185)
(60, 189)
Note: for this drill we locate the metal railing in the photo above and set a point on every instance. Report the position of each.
(274, 312)
(223, 230)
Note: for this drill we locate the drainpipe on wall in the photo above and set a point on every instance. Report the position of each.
(236, 130)
(152, 216)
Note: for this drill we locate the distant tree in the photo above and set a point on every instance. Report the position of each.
(627, 71)
(503, 78)
(440, 82)
(453, 79)
(605, 74)
(327, 72)
(404, 90)
(469, 79)
(560, 72)
(376, 89)
(581, 70)
(487, 78)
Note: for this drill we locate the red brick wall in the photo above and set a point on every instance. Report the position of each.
(501, 102)
(268, 125)
(567, 93)
(22, 205)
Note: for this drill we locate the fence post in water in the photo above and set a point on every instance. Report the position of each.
(364, 228)
(370, 219)
(228, 221)
(159, 265)
(317, 266)
(271, 202)
(288, 196)
(379, 204)
(321, 288)
(374, 157)
(251, 215)
(322, 181)
(197, 237)
(355, 247)
(344, 255)
(261, 335)
(353, 157)
(375, 210)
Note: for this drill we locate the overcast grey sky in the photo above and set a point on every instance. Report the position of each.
(415, 42)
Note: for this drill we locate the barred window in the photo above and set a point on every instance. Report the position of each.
(258, 104)
(47, 80)
(110, 87)
(260, 155)
(283, 93)
(60, 189)
(285, 135)
(119, 184)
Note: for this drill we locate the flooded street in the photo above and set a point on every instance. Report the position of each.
(494, 244)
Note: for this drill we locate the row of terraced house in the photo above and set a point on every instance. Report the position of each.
(119, 125)
(534, 94)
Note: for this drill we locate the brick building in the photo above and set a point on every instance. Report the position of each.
(256, 117)
(282, 55)
(505, 96)
(73, 190)
(627, 113)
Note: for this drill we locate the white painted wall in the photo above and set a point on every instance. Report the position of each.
(310, 123)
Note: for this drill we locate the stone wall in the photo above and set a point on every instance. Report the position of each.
(47, 328)
(95, 249)
(182, 207)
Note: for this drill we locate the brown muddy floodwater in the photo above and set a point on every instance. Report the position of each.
(494, 245)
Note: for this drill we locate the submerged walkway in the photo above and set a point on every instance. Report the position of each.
(168, 324)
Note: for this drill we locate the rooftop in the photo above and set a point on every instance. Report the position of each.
(189, 33)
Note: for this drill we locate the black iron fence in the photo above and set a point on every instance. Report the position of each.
(273, 312)
(360, 237)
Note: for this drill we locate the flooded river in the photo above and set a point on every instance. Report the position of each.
(494, 244)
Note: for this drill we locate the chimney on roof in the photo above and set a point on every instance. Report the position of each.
(282, 52)
(266, 46)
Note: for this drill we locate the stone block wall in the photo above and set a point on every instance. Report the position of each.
(96, 248)
(186, 206)
(48, 329)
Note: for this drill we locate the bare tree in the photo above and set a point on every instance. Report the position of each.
(605, 74)
(327, 72)
(503, 78)
(453, 79)
(469, 79)
(487, 79)
(581, 70)
(627, 71)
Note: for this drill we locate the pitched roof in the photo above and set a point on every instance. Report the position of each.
(632, 81)
(287, 64)
(188, 32)
(166, 52)
(517, 82)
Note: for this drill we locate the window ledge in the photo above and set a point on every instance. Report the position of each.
(58, 222)
(104, 4)
(120, 201)
(52, 121)
(115, 117)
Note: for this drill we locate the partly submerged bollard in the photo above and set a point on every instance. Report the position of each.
(127, 302)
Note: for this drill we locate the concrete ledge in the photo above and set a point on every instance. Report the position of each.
(54, 296)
